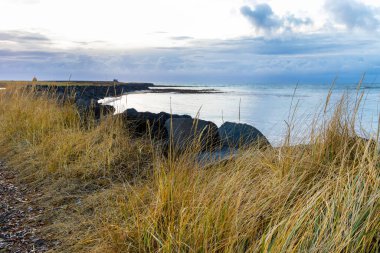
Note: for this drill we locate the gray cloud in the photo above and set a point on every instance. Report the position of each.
(262, 17)
(305, 58)
(49, 65)
(353, 14)
(22, 37)
(181, 38)
(294, 21)
(265, 20)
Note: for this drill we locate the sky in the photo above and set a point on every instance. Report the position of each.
(191, 41)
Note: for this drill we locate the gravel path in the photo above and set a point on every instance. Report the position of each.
(20, 219)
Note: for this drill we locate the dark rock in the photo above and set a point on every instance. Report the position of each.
(96, 91)
(91, 106)
(38, 243)
(84, 104)
(103, 110)
(237, 135)
(148, 122)
(185, 133)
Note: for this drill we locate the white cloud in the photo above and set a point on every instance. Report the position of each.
(354, 14)
(22, 1)
(133, 24)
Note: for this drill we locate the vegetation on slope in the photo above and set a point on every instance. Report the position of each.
(111, 192)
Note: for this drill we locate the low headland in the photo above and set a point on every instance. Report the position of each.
(91, 181)
(101, 89)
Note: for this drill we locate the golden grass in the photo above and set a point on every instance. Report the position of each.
(320, 197)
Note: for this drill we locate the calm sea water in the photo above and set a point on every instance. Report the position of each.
(267, 107)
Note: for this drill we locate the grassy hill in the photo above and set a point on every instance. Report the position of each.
(105, 190)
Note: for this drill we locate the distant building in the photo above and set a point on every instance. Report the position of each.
(34, 79)
(115, 80)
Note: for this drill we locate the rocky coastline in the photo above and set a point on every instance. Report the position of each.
(181, 132)
(184, 133)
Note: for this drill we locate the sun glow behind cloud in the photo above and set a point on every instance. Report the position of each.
(143, 23)
(126, 24)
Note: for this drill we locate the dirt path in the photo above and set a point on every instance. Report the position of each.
(20, 219)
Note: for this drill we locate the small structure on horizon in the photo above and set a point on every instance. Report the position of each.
(34, 79)
(115, 80)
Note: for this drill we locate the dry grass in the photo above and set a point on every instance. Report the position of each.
(321, 197)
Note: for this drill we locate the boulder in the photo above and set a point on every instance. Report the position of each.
(238, 135)
(187, 132)
(148, 122)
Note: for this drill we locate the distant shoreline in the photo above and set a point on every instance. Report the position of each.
(102, 87)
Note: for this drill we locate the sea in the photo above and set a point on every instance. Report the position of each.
(274, 109)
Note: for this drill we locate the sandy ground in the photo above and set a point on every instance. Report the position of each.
(20, 218)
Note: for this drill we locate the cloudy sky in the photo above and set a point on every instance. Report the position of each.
(191, 41)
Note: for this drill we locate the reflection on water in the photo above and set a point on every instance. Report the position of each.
(266, 108)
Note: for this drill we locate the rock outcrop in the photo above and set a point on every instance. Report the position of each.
(181, 131)
(188, 132)
(151, 123)
(238, 135)
(86, 96)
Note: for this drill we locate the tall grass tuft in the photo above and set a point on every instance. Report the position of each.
(44, 136)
